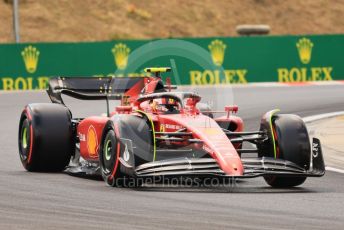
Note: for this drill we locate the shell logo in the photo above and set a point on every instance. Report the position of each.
(92, 141)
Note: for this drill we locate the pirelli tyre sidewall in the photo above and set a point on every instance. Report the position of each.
(292, 143)
(109, 156)
(24, 141)
(45, 138)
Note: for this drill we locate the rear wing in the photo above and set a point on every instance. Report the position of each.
(91, 88)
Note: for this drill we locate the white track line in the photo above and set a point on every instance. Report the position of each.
(21, 91)
(310, 119)
(322, 116)
(328, 168)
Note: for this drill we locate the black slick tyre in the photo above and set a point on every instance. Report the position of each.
(109, 158)
(291, 143)
(45, 137)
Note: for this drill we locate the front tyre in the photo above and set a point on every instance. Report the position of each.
(111, 150)
(289, 134)
(109, 158)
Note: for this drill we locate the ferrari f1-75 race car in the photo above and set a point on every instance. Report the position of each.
(155, 132)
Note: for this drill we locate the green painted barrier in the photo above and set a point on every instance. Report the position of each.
(195, 61)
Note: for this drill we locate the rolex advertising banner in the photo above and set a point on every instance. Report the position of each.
(194, 61)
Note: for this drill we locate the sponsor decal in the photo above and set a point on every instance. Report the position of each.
(304, 48)
(120, 53)
(24, 83)
(126, 154)
(315, 73)
(174, 127)
(315, 150)
(92, 141)
(30, 56)
(307, 58)
(217, 50)
(162, 128)
(82, 137)
(213, 77)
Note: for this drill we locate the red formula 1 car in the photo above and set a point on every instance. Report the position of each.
(157, 133)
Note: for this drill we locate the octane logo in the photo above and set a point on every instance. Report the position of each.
(92, 141)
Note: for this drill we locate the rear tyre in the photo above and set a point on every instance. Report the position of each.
(291, 143)
(45, 137)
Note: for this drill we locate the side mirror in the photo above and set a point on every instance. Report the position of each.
(232, 108)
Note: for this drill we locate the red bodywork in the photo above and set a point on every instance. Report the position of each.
(214, 141)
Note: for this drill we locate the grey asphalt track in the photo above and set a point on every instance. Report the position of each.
(60, 201)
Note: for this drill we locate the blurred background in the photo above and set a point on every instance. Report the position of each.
(94, 20)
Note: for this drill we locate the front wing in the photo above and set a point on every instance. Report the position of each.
(253, 167)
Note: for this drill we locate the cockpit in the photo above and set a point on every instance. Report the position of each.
(165, 105)
(168, 103)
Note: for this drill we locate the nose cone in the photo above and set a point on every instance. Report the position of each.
(232, 166)
(236, 169)
(215, 141)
